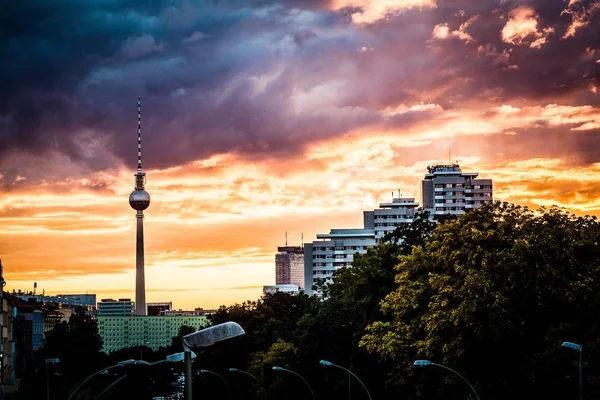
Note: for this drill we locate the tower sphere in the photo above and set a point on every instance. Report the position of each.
(139, 199)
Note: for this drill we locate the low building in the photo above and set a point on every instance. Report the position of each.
(289, 288)
(63, 301)
(119, 332)
(159, 308)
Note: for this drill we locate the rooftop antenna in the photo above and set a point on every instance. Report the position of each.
(450, 154)
(286, 238)
(302, 239)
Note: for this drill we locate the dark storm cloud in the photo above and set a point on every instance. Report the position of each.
(218, 76)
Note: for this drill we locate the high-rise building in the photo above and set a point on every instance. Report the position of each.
(110, 307)
(289, 266)
(385, 219)
(447, 190)
(335, 251)
(139, 200)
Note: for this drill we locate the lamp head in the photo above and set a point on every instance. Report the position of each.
(326, 363)
(204, 371)
(211, 335)
(277, 369)
(178, 357)
(422, 363)
(571, 345)
(233, 370)
(125, 362)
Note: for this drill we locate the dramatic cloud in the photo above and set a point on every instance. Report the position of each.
(261, 116)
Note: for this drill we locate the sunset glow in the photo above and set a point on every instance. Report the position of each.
(260, 119)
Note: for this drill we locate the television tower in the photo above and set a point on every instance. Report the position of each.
(139, 200)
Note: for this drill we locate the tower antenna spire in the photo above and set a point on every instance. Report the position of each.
(139, 200)
(139, 140)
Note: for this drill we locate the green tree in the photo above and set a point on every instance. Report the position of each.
(492, 295)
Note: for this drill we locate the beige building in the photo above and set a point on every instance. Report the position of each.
(119, 332)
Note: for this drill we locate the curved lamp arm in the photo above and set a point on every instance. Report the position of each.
(110, 386)
(330, 364)
(88, 378)
(424, 363)
(205, 371)
(299, 376)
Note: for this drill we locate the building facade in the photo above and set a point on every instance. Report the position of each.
(119, 332)
(386, 218)
(447, 190)
(335, 251)
(120, 307)
(289, 266)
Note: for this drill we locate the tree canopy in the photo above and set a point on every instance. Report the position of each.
(493, 295)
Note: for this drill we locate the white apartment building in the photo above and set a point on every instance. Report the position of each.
(447, 190)
(390, 215)
(336, 250)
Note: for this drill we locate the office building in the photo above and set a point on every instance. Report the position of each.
(119, 332)
(334, 251)
(447, 190)
(121, 307)
(60, 301)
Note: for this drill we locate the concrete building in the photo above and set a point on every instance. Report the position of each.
(119, 332)
(159, 308)
(121, 307)
(335, 251)
(8, 372)
(390, 215)
(289, 266)
(447, 190)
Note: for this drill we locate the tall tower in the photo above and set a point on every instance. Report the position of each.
(139, 200)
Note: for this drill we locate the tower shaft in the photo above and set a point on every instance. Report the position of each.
(140, 279)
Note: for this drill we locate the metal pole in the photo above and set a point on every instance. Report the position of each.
(580, 375)
(187, 359)
(47, 383)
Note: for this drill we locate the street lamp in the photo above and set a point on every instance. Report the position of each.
(48, 362)
(250, 375)
(426, 363)
(205, 371)
(578, 348)
(203, 338)
(299, 376)
(330, 364)
(177, 357)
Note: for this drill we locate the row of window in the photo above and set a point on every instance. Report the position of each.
(461, 185)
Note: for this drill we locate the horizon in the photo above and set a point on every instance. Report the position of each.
(259, 120)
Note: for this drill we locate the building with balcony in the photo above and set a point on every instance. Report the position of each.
(447, 190)
(334, 251)
(383, 220)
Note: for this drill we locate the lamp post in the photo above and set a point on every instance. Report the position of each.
(251, 376)
(426, 363)
(204, 338)
(205, 371)
(578, 348)
(48, 362)
(330, 364)
(299, 376)
(177, 357)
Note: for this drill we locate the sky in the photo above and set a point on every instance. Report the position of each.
(261, 117)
